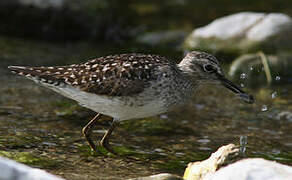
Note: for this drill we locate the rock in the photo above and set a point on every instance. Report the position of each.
(11, 170)
(243, 32)
(253, 71)
(162, 176)
(253, 169)
(163, 38)
(247, 169)
(200, 170)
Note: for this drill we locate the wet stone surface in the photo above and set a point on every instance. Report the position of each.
(43, 129)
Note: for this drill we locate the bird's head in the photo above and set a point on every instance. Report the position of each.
(205, 68)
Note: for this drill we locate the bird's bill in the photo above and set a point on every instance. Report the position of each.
(238, 91)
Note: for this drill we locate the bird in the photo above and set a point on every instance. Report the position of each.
(130, 86)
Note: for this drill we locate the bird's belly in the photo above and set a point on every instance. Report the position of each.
(116, 107)
(120, 108)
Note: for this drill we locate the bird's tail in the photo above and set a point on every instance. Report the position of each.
(21, 70)
(41, 75)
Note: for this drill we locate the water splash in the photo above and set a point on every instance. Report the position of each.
(242, 85)
(277, 78)
(243, 143)
(251, 68)
(243, 76)
(264, 108)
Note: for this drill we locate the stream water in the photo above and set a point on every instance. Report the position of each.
(43, 129)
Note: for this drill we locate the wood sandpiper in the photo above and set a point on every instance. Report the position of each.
(130, 86)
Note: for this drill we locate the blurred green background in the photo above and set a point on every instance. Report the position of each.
(117, 21)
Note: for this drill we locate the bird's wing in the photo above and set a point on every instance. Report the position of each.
(117, 75)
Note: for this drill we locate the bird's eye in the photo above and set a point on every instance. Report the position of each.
(209, 68)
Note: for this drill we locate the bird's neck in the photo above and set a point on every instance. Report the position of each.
(189, 73)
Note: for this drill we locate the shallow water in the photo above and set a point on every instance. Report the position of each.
(43, 129)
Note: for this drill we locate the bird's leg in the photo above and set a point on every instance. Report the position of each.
(88, 129)
(105, 139)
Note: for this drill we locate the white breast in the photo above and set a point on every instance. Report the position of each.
(116, 107)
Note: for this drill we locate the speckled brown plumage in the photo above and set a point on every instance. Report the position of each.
(130, 86)
(116, 75)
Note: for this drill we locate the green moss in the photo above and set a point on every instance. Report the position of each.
(173, 166)
(155, 127)
(30, 159)
(65, 107)
(19, 140)
(120, 150)
(86, 151)
(129, 153)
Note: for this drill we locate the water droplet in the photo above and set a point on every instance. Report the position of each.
(242, 76)
(277, 78)
(242, 85)
(274, 94)
(243, 143)
(251, 68)
(264, 108)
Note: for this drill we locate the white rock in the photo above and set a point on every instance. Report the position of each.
(254, 26)
(270, 25)
(229, 26)
(253, 169)
(11, 170)
(245, 32)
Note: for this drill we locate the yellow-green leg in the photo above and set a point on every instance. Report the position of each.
(87, 130)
